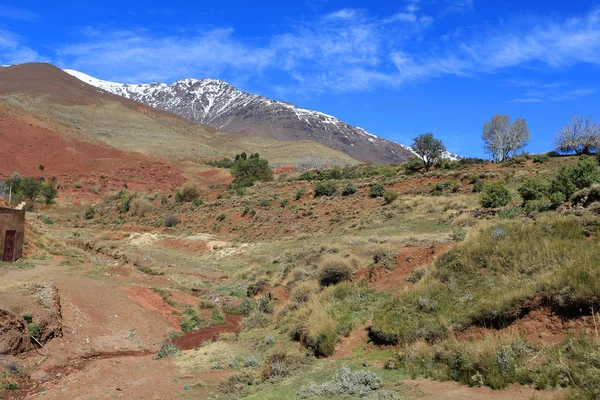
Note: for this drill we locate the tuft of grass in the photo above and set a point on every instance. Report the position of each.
(217, 317)
(334, 269)
(167, 349)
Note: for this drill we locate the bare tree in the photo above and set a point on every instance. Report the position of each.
(581, 135)
(428, 148)
(503, 138)
(310, 161)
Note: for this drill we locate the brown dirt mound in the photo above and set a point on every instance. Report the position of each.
(193, 339)
(152, 301)
(408, 260)
(14, 335)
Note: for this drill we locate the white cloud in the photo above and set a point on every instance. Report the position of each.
(18, 14)
(13, 51)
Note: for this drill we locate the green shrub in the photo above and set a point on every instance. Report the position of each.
(248, 170)
(390, 196)
(494, 195)
(221, 217)
(348, 189)
(557, 198)
(413, 165)
(167, 349)
(265, 203)
(478, 187)
(571, 178)
(377, 190)
(541, 158)
(299, 193)
(34, 329)
(191, 320)
(90, 213)
(553, 154)
(325, 189)
(333, 270)
(284, 202)
(534, 189)
(217, 317)
(195, 204)
(124, 204)
(356, 384)
(49, 193)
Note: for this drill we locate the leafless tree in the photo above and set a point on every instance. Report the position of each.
(503, 138)
(581, 135)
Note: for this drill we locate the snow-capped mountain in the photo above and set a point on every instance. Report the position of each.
(217, 104)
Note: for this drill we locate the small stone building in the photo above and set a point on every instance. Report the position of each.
(12, 233)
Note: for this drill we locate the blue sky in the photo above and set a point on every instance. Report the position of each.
(395, 68)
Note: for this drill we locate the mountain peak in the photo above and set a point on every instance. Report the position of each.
(217, 104)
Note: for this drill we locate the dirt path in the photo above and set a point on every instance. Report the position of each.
(191, 340)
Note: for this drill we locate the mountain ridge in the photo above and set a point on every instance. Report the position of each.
(218, 104)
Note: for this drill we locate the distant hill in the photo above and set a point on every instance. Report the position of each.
(217, 104)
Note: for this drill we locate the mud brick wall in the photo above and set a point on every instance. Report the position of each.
(11, 219)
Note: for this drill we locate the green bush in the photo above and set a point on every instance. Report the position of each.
(572, 178)
(90, 213)
(534, 189)
(541, 158)
(494, 195)
(413, 165)
(377, 190)
(390, 196)
(34, 330)
(325, 189)
(195, 204)
(349, 189)
(477, 186)
(299, 193)
(49, 193)
(167, 349)
(217, 317)
(248, 170)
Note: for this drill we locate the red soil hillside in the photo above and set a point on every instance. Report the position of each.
(25, 145)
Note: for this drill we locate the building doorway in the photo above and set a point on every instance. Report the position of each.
(9, 246)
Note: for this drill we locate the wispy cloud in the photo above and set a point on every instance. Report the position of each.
(345, 50)
(19, 14)
(13, 51)
(539, 92)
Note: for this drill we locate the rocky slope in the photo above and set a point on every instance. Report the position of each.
(217, 104)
